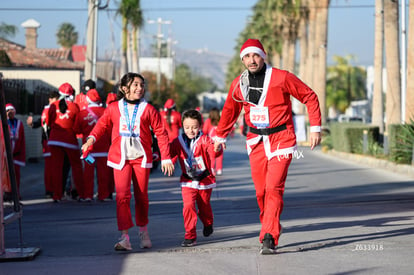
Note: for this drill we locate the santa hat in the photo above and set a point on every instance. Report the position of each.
(9, 106)
(252, 46)
(169, 104)
(92, 96)
(66, 90)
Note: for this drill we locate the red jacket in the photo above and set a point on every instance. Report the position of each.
(61, 125)
(147, 118)
(18, 142)
(85, 121)
(279, 86)
(173, 128)
(203, 156)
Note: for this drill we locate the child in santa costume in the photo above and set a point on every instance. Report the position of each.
(264, 93)
(195, 152)
(171, 119)
(131, 119)
(85, 121)
(18, 143)
(62, 140)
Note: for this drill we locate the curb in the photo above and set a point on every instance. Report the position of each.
(374, 162)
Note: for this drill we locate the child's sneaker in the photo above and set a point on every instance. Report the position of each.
(188, 242)
(145, 239)
(123, 243)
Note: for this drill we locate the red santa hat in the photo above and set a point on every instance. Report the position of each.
(66, 90)
(92, 96)
(252, 46)
(9, 106)
(169, 104)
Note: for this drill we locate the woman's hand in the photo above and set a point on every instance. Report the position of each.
(87, 144)
(167, 168)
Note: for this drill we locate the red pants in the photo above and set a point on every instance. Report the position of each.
(140, 176)
(104, 175)
(57, 159)
(48, 178)
(192, 196)
(269, 178)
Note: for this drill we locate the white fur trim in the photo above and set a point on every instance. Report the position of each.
(315, 129)
(253, 49)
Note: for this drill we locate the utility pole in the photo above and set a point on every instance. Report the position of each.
(159, 37)
(91, 41)
(403, 61)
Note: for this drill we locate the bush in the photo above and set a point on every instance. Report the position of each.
(348, 137)
(401, 142)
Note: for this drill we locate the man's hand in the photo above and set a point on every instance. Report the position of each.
(315, 139)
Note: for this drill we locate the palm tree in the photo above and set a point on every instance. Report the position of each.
(66, 35)
(7, 30)
(377, 98)
(321, 35)
(126, 9)
(392, 59)
(136, 21)
(409, 100)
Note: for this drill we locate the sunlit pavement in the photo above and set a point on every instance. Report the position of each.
(339, 217)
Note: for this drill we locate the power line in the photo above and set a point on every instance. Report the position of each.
(172, 9)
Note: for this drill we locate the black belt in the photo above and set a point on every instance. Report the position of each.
(268, 131)
(200, 177)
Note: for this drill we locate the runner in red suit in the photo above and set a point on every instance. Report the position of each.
(264, 93)
(171, 119)
(18, 142)
(62, 140)
(85, 121)
(130, 120)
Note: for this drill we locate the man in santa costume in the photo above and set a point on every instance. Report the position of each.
(62, 140)
(264, 94)
(18, 143)
(85, 121)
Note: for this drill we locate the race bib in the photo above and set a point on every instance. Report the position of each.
(259, 116)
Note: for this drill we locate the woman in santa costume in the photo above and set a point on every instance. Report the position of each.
(171, 119)
(209, 128)
(264, 93)
(18, 143)
(85, 121)
(195, 152)
(131, 120)
(62, 140)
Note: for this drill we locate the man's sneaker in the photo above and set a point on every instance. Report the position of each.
(208, 230)
(145, 239)
(188, 242)
(268, 246)
(123, 243)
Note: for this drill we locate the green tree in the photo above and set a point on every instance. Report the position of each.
(345, 83)
(136, 20)
(66, 35)
(7, 30)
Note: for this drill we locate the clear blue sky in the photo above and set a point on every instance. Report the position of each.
(213, 24)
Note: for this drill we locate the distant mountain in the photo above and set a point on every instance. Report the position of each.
(205, 63)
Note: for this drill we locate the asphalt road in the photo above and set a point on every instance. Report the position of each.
(339, 218)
